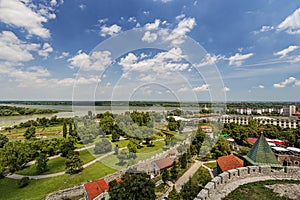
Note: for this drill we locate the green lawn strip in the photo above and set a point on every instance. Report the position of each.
(121, 143)
(38, 189)
(201, 177)
(56, 165)
(258, 191)
(211, 165)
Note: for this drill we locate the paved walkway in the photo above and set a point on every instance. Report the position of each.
(18, 176)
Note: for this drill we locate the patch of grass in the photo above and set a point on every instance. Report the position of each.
(211, 165)
(56, 165)
(38, 189)
(201, 177)
(257, 191)
(121, 143)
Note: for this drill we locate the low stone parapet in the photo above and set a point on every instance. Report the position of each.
(225, 183)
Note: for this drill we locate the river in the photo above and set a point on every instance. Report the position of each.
(71, 111)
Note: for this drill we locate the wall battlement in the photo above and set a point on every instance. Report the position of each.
(223, 184)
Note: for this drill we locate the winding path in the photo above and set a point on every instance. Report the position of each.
(18, 176)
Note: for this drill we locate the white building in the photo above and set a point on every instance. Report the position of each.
(289, 110)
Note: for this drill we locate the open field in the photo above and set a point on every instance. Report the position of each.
(52, 131)
(38, 189)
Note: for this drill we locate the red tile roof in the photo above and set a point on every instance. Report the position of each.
(95, 188)
(164, 163)
(229, 162)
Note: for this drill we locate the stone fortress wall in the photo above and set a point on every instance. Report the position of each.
(223, 184)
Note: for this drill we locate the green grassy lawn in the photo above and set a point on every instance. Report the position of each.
(201, 177)
(43, 131)
(257, 191)
(56, 165)
(211, 165)
(38, 189)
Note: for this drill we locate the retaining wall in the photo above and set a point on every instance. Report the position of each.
(223, 184)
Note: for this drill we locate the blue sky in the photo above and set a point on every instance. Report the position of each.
(148, 50)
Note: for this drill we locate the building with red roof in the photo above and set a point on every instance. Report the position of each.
(228, 162)
(96, 190)
(161, 164)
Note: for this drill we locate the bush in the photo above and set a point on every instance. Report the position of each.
(23, 182)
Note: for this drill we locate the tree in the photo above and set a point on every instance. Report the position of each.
(135, 186)
(115, 136)
(66, 146)
(122, 156)
(174, 171)
(103, 146)
(23, 182)
(173, 195)
(183, 161)
(29, 133)
(189, 190)
(165, 175)
(65, 130)
(73, 163)
(41, 163)
(132, 146)
(221, 148)
(116, 149)
(3, 140)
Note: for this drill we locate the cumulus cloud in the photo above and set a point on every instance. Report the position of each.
(226, 89)
(149, 37)
(63, 55)
(285, 83)
(238, 58)
(203, 87)
(161, 62)
(13, 49)
(46, 49)
(98, 60)
(261, 86)
(111, 30)
(291, 24)
(16, 13)
(286, 51)
(175, 36)
(82, 6)
(210, 59)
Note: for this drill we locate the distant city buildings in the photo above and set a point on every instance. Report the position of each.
(289, 110)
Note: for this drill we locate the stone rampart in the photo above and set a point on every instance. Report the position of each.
(223, 184)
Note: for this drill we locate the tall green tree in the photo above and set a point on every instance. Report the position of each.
(183, 161)
(29, 133)
(74, 163)
(174, 195)
(174, 171)
(134, 186)
(65, 132)
(41, 163)
(165, 176)
(103, 146)
(3, 140)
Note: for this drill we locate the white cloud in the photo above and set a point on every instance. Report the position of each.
(63, 55)
(53, 2)
(82, 6)
(177, 36)
(226, 89)
(16, 13)
(264, 29)
(13, 49)
(291, 24)
(183, 89)
(161, 62)
(179, 17)
(164, 1)
(238, 58)
(132, 19)
(98, 60)
(261, 86)
(210, 59)
(146, 12)
(45, 50)
(284, 52)
(149, 37)
(102, 21)
(203, 87)
(111, 30)
(152, 26)
(286, 82)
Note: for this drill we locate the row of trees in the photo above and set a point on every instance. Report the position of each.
(14, 111)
